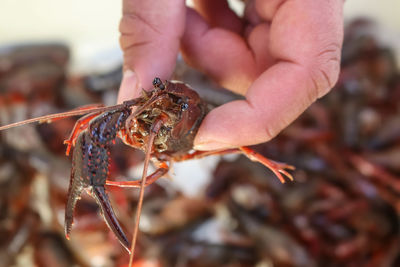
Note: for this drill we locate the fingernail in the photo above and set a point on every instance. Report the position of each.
(128, 73)
(212, 145)
(129, 85)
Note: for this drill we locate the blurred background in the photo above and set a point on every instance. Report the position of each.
(343, 209)
(91, 27)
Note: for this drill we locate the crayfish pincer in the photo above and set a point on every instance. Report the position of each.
(162, 122)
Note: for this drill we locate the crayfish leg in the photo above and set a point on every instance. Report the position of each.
(80, 126)
(87, 108)
(277, 168)
(157, 174)
(107, 211)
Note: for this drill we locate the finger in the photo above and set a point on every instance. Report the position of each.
(306, 39)
(217, 13)
(253, 121)
(267, 9)
(250, 14)
(129, 87)
(220, 53)
(309, 33)
(258, 42)
(150, 36)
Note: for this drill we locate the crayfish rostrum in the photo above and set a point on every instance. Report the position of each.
(162, 122)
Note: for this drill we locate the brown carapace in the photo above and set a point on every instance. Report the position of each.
(162, 123)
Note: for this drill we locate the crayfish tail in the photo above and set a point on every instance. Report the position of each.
(101, 197)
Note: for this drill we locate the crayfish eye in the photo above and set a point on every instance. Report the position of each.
(157, 82)
(184, 106)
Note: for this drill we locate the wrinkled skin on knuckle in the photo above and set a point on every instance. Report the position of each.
(143, 21)
(327, 57)
(269, 133)
(324, 71)
(136, 31)
(316, 45)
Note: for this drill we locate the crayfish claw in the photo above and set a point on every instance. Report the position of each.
(74, 194)
(107, 211)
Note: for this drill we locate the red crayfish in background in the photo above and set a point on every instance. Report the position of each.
(162, 123)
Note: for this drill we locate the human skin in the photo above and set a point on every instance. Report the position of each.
(282, 56)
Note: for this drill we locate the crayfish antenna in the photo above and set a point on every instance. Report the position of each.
(153, 132)
(76, 112)
(56, 116)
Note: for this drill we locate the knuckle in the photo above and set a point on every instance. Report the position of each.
(269, 133)
(135, 24)
(136, 32)
(325, 71)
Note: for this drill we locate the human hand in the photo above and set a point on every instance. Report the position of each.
(282, 56)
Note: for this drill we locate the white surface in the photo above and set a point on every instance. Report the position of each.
(89, 27)
(191, 177)
(383, 11)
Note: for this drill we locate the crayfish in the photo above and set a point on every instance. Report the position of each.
(162, 122)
